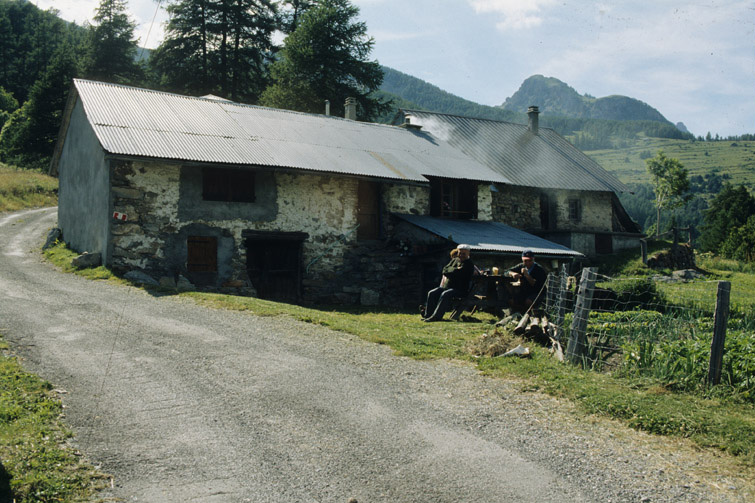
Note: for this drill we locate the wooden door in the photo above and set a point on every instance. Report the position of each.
(274, 267)
(368, 210)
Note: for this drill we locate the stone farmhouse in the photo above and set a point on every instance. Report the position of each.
(303, 207)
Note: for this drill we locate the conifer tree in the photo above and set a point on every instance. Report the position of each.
(326, 58)
(219, 47)
(28, 138)
(111, 47)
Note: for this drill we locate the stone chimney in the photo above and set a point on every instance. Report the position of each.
(350, 109)
(532, 113)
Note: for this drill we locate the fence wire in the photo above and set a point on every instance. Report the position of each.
(655, 327)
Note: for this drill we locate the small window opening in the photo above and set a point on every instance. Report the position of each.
(229, 185)
(453, 198)
(575, 210)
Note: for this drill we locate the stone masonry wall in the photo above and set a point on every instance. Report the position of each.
(336, 267)
(516, 206)
(520, 207)
(597, 210)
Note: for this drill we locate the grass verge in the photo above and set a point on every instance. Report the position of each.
(20, 188)
(721, 423)
(37, 465)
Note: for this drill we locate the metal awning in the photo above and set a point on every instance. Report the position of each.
(490, 236)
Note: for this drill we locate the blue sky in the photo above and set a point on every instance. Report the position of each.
(692, 60)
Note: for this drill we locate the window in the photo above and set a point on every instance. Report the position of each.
(453, 198)
(230, 185)
(575, 210)
(202, 254)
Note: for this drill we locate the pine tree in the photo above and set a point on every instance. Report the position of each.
(28, 138)
(111, 47)
(326, 58)
(220, 47)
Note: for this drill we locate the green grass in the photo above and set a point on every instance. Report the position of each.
(60, 255)
(721, 422)
(37, 464)
(698, 157)
(21, 189)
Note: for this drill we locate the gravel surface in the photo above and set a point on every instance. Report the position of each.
(184, 403)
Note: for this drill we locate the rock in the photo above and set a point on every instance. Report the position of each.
(369, 297)
(53, 237)
(167, 282)
(86, 260)
(127, 193)
(184, 284)
(686, 274)
(140, 278)
(680, 256)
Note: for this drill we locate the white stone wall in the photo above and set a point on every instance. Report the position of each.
(597, 211)
(484, 202)
(412, 199)
(322, 206)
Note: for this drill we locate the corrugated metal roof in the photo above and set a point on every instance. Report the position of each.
(544, 160)
(146, 123)
(489, 236)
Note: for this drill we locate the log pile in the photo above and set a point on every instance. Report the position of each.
(540, 330)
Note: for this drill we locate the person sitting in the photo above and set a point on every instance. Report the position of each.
(455, 283)
(531, 277)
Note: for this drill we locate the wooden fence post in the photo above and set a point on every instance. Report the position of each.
(550, 291)
(561, 306)
(644, 250)
(719, 332)
(576, 347)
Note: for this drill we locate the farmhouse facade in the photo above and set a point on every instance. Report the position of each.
(274, 203)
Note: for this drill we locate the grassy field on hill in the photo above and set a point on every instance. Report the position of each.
(735, 158)
(21, 189)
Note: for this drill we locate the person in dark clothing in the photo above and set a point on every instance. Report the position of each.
(531, 276)
(455, 283)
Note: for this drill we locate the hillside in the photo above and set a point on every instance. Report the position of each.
(426, 96)
(557, 98)
(735, 159)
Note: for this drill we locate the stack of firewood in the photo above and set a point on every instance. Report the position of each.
(540, 330)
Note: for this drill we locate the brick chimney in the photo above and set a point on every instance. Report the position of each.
(350, 109)
(532, 113)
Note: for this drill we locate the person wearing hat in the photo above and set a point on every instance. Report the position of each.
(531, 276)
(455, 283)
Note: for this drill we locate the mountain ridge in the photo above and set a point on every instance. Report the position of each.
(555, 97)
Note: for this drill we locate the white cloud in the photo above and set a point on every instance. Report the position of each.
(517, 14)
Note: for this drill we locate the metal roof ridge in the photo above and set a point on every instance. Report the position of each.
(497, 121)
(227, 103)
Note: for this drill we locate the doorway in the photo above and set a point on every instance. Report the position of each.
(273, 263)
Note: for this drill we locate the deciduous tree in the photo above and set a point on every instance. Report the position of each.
(729, 210)
(670, 183)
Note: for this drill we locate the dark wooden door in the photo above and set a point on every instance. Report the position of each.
(368, 210)
(274, 267)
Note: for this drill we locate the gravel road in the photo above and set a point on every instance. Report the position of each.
(184, 403)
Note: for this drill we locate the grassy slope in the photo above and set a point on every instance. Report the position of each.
(37, 464)
(21, 189)
(698, 157)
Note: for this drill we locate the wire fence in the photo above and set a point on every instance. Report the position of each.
(673, 330)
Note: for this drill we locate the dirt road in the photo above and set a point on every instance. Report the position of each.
(183, 403)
